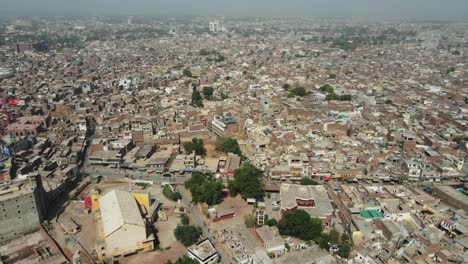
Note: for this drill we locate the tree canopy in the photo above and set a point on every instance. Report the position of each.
(185, 220)
(299, 224)
(247, 182)
(334, 239)
(169, 194)
(208, 91)
(298, 91)
(187, 235)
(308, 181)
(227, 144)
(197, 99)
(204, 188)
(187, 73)
(196, 145)
(271, 222)
(327, 88)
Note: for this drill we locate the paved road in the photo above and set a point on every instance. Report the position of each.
(198, 221)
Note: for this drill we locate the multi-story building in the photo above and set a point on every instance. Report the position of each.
(22, 207)
(204, 252)
(32, 46)
(299, 165)
(215, 26)
(224, 125)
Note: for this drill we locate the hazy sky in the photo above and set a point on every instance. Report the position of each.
(438, 9)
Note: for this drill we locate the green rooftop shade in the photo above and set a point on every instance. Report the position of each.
(368, 214)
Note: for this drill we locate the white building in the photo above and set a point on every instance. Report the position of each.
(204, 252)
(215, 26)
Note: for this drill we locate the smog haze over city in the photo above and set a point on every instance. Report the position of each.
(248, 131)
(414, 9)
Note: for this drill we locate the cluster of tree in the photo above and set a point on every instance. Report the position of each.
(460, 138)
(331, 76)
(272, 222)
(197, 99)
(170, 194)
(247, 182)
(331, 95)
(335, 97)
(204, 188)
(308, 181)
(227, 144)
(286, 86)
(183, 260)
(208, 92)
(187, 234)
(298, 91)
(187, 73)
(299, 224)
(327, 88)
(333, 240)
(185, 220)
(196, 145)
(450, 70)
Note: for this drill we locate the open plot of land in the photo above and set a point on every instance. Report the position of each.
(85, 239)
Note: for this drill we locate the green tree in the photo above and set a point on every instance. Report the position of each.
(227, 144)
(208, 91)
(327, 88)
(271, 222)
(187, 235)
(187, 73)
(332, 76)
(248, 182)
(204, 189)
(249, 220)
(169, 194)
(196, 145)
(331, 96)
(185, 220)
(286, 86)
(299, 224)
(299, 91)
(344, 250)
(460, 138)
(388, 101)
(308, 181)
(197, 99)
(345, 97)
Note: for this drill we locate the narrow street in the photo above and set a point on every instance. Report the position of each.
(197, 219)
